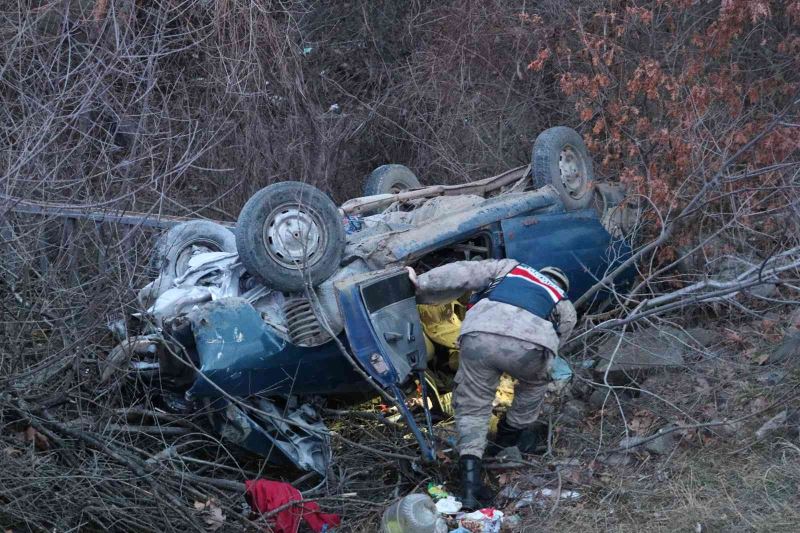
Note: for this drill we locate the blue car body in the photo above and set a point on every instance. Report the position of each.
(240, 355)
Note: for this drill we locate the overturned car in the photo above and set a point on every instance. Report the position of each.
(305, 302)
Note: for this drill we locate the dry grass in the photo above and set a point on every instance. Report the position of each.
(717, 479)
(712, 488)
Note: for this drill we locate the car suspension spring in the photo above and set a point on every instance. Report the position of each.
(304, 328)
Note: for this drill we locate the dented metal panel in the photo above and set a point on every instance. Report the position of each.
(576, 242)
(243, 356)
(407, 245)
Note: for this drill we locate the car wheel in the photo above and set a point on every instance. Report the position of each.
(174, 249)
(560, 159)
(288, 233)
(390, 179)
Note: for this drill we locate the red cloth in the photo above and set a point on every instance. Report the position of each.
(265, 495)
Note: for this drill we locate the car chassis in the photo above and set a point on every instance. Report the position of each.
(262, 359)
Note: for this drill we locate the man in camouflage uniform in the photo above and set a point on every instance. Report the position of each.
(515, 324)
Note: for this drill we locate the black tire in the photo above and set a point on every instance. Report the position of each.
(560, 159)
(174, 248)
(268, 236)
(389, 179)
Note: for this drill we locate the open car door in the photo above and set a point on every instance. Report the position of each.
(386, 338)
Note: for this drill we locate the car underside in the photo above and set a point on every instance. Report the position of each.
(305, 303)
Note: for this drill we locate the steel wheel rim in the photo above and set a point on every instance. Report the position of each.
(190, 250)
(572, 169)
(292, 236)
(397, 188)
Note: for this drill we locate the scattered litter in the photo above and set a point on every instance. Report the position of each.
(486, 520)
(448, 505)
(512, 522)
(565, 494)
(437, 492)
(536, 496)
(560, 370)
(264, 496)
(415, 513)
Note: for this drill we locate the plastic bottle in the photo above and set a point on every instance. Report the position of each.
(415, 513)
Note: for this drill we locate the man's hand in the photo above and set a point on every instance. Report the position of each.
(413, 277)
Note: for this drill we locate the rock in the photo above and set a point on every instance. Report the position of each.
(510, 455)
(772, 425)
(661, 445)
(637, 353)
(703, 337)
(763, 290)
(631, 443)
(665, 443)
(573, 412)
(599, 398)
(581, 384)
(724, 429)
(604, 397)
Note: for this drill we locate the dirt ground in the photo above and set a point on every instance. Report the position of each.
(717, 473)
(711, 468)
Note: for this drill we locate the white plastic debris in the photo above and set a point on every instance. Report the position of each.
(538, 496)
(448, 505)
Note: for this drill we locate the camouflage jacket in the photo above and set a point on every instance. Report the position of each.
(448, 282)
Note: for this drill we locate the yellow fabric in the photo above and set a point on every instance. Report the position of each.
(430, 349)
(442, 326)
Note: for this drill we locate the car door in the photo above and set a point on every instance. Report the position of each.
(575, 242)
(385, 335)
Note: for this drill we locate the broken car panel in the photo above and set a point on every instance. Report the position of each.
(256, 336)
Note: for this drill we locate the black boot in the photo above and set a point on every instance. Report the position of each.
(474, 495)
(507, 436)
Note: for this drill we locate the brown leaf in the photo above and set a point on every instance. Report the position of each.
(39, 441)
(703, 386)
(758, 404)
(761, 358)
(212, 514)
(641, 422)
(215, 519)
(11, 451)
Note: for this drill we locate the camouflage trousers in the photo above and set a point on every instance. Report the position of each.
(484, 357)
